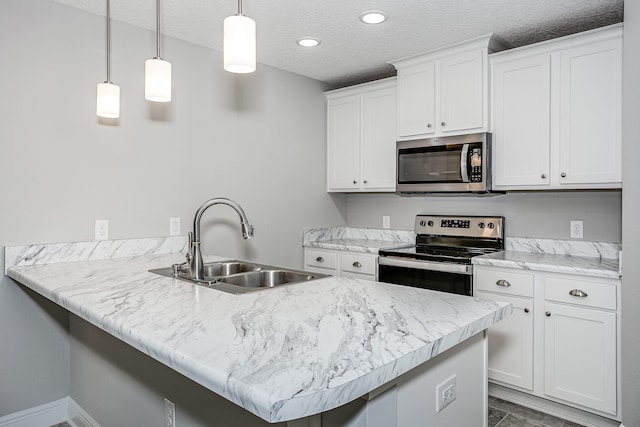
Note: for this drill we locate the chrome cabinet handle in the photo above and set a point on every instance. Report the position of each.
(320, 259)
(543, 176)
(443, 123)
(578, 293)
(503, 282)
(526, 310)
(548, 314)
(564, 175)
(357, 264)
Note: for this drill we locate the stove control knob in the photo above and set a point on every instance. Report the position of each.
(481, 225)
(430, 223)
(491, 225)
(423, 223)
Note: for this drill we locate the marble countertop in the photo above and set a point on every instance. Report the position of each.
(369, 240)
(553, 263)
(282, 353)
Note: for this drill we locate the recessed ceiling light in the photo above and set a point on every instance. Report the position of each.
(308, 42)
(373, 17)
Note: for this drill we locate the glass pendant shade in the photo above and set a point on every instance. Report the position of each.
(108, 100)
(157, 80)
(239, 44)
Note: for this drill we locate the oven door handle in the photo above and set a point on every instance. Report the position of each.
(464, 157)
(426, 265)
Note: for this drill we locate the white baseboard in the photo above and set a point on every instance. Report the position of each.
(78, 417)
(48, 414)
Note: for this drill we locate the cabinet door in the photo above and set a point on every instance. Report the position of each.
(343, 143)
(460, 92)
(416, 100)
(378, 147)
(580, 356)
(590, 113)
(511, 343)
(521, 121)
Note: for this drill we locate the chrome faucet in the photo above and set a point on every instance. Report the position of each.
(194, 257)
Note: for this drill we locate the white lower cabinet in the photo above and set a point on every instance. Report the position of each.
(357, 265)
(561, 342)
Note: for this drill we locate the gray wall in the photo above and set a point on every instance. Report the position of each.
(631, 216)
(258, 139)
(528, 214)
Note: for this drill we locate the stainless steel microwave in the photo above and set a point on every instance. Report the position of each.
(449, 164)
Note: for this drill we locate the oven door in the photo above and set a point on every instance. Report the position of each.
(437, 276)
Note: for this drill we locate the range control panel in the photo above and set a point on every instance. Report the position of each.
(467, 226)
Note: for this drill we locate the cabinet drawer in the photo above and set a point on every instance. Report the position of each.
(587, 292)
(358, 263)
(320, 258)
(506, 282)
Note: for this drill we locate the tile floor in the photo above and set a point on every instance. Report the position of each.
(507, 414)
(504, 414)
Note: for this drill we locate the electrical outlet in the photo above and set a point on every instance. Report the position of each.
(174, 226)
(102, 229)
(386, 221)
(577, 229)
(169, 413)
(446, 393)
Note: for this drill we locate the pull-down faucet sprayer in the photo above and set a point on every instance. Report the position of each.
(194, 257)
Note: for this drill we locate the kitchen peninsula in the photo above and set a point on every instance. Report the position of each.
(284, 353)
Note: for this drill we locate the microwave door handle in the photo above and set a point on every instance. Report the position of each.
(464, 156)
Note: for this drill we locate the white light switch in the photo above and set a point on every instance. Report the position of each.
(102, 229)
(174, 226)
(386, 221)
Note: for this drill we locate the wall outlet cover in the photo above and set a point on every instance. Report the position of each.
(169, 413)
(446, 393)
(174, 226)
(102, 229)
(386, 221)
(577, 229)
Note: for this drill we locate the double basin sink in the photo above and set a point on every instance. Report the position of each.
(239, 276)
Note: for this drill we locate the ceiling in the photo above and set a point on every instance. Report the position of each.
(350, 51)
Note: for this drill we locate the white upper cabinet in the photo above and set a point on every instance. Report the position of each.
(444, 92)
(361, 138)
(557, 113)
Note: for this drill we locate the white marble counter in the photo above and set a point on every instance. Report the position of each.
(553, 263)
(369, 240)
(282, 353)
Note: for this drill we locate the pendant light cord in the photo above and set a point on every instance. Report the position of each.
(158, 28)
(239, 7)
(108, 41)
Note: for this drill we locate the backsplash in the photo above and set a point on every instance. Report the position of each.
(93, 250)
(352, 233)
(579, 248)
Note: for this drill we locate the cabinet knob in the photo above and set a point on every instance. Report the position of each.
(365, 181)
(564, 175)
(355, 182)
(526, 310)
(429, 125)
(543, 176)
(578, 293)
(357, 264)
(548, 314)
(320, 259)
(503, 282)
(443, 123)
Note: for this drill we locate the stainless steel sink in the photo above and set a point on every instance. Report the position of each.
(267, 278)
(239, 276)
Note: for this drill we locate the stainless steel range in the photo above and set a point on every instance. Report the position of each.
(441, 258)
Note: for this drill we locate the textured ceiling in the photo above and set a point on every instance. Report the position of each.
(352, 52)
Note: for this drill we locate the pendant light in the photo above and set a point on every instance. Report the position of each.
(108, 94)
(239, 43)
(157, 72)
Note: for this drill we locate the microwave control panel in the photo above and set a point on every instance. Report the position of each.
(475, 161)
